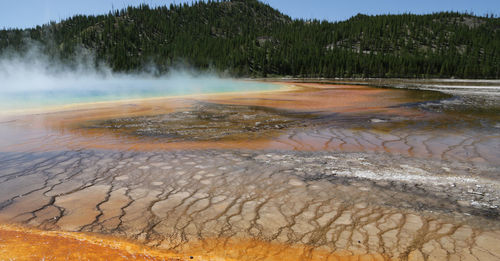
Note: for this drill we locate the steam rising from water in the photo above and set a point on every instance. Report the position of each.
(33, 81)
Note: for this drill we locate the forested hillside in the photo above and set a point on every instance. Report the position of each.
(249, 38)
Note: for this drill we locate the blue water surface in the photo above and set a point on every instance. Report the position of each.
(46, 92)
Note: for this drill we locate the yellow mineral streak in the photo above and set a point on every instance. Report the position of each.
(18, 243)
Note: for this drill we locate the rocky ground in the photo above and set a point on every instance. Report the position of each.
(206, 122)
(449, 129)
(359, 202)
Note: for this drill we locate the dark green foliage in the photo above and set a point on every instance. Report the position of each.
(249, 38)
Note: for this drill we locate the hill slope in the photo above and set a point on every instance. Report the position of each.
(249, 38)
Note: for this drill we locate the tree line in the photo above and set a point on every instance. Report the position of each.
(249, 38)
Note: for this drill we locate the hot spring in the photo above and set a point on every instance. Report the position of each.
(45, 91)
(221, 169)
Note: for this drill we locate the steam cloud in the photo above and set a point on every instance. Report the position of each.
(35, 80)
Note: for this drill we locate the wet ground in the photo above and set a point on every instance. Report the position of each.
(318, 173)
(325, 201)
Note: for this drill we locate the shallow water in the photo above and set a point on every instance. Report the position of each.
(317, 172)
(60, 92)
(423, 124)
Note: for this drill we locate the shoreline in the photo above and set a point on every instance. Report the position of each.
(103, 104)
(492, 81)
(289, 84)
(484, 87)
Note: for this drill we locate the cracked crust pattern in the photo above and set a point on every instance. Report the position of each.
(362, 174)
(202, 201)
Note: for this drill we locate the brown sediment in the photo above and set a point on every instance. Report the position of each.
(249, 249)
(325, 97)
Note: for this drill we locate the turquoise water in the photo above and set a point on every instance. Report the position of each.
(44, 92)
